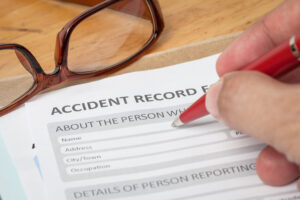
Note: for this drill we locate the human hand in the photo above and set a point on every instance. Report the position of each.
(258, 105)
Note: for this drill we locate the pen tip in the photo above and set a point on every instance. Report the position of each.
(177, 123)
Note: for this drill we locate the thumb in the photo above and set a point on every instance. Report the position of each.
(259, 106)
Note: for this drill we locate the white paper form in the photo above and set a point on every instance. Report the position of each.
(112, 139)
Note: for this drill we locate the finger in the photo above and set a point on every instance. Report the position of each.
(298, 184)
(274, 169)
(292, 77)
(274, 28)
(260, 106)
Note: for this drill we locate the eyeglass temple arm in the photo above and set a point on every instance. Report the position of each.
(119, 6)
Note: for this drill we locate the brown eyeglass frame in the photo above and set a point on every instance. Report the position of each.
(62, 73)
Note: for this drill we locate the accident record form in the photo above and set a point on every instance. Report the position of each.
(113, 139)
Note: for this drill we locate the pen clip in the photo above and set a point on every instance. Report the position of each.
(294, 47)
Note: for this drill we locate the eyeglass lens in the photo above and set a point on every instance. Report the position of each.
(110, 36)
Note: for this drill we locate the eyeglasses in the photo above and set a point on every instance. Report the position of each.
(92, 44)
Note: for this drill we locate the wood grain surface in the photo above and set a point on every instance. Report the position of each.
(35, 23)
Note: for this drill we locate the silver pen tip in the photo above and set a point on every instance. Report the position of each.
(177, 123)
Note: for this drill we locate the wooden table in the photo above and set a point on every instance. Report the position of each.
(34, 23)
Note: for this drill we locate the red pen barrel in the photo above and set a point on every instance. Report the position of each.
(277, 62)
(189, 114)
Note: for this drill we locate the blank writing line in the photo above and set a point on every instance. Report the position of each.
(143, 134)
(178, 162)
(272, 195)
(217, 192)
(152, 143)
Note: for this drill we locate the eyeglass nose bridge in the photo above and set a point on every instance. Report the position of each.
(29, 62)
(42, 80)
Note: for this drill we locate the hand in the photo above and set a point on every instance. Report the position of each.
(258, 105)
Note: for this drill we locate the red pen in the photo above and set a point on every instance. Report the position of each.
(275, 63)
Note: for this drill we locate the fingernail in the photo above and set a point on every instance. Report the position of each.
(212, 99)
